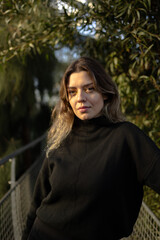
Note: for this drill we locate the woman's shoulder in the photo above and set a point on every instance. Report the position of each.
(127, 125)
(127, 128)
(133, 133)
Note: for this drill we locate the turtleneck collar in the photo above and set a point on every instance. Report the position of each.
(100, 121)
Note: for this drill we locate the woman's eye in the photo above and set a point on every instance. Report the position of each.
(89, 89)
(71, 92)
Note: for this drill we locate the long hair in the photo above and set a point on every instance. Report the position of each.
(63, 116)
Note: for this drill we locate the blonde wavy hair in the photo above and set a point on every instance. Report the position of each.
(63, 117)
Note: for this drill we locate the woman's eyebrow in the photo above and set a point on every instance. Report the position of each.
(70, 87)
(86, 85)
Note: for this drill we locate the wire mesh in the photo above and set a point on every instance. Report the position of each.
(147, 226)
(15, 204)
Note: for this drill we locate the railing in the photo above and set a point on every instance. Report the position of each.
(15, 204)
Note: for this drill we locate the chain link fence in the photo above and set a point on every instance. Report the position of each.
(15, 204)
(147, 226)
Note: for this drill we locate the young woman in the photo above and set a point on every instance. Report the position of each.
(90, 185)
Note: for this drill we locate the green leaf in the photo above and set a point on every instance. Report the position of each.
(148, 49)
(138, 15)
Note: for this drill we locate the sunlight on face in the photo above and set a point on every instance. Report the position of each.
(84, 99)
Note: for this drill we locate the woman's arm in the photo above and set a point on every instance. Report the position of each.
(146, 156)
(41, 190)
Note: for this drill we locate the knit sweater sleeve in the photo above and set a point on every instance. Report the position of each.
(41, 190)
(146, 156)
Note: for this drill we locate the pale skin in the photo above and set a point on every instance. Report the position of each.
(85, 100)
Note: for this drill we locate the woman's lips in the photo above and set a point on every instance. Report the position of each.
(83, 109)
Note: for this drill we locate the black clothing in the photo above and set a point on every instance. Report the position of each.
(91, 187)
(45, 232)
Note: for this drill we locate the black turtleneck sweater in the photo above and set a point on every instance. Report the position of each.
(91, 187)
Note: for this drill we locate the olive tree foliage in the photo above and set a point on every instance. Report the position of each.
(26, 74)
(29, 28)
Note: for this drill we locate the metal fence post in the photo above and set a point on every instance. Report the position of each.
(13, 199)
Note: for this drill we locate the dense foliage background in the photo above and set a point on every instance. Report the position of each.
(124, 35)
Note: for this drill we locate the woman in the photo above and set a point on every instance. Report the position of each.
(90, 185)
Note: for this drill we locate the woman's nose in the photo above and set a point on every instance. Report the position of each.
(81, 96)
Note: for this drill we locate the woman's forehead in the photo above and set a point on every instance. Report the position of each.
(80, 78)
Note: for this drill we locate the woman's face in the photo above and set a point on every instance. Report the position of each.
(85, 101)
